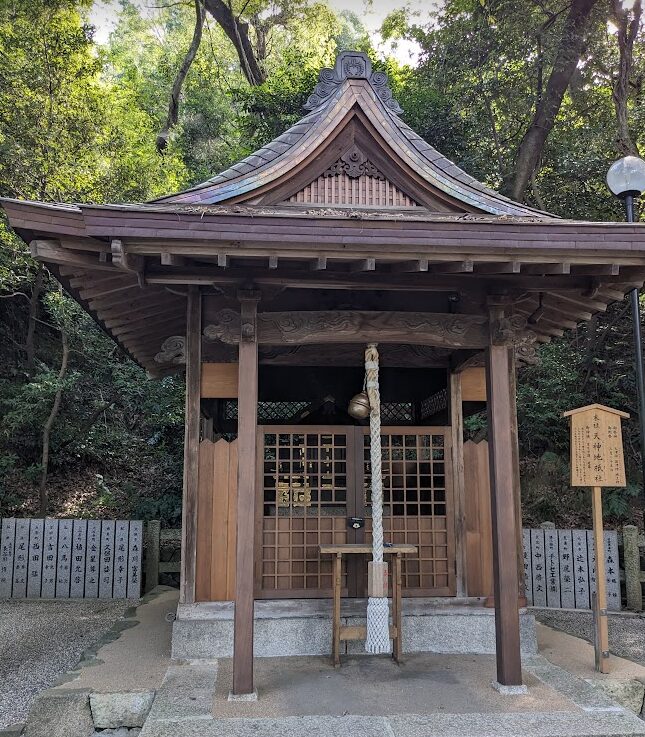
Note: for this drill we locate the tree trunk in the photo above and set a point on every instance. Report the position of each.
(571, 47)
(50, 423)
(238, 33)
(34, 303)
(626, 35)
(175, 94)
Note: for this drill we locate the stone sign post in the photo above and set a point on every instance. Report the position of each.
(597, 461)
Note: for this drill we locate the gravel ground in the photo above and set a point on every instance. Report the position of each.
(626, 631)
(40, 640)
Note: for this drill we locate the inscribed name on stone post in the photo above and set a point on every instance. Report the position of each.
(596, 446)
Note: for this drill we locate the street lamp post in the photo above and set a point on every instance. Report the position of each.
(626, 179)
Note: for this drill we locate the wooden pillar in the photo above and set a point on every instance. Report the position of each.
(191, 446)
(503, 506)
(516, 479)
(459, 490)
(246, 492)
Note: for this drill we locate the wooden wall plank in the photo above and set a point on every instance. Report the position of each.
(107, 559)
(79, 553)
(219, 381)
(35, 563)
(458, 480)
(479, 535)
(220, 510)
(567, 570)
(231, 532)
(135, 558)
(204, 522)
(21, 551)
(92, 559)
(473, 384)
(120, 586)
(7, 544)
(50, 556)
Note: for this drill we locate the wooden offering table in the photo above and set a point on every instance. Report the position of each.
(344, 633)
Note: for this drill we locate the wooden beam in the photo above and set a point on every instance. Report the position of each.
(502, 267)
(544, 269)
(596, 269)
(124, 260)
(453, 267)
(354, 326)
(128, 319)
(51, 252)
(503, 497)
(246, 493)
(96, 292)
(310, 279)
(458, 481)
(191, 447)
(172, 259)
(366, 264)
(418, 265)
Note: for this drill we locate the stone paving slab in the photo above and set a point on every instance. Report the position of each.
(563, 706)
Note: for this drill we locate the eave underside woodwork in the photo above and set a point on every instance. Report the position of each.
(131, 268)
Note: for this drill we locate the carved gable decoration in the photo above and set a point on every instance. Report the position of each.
(353, 180)
(351, 65)
(353, 163)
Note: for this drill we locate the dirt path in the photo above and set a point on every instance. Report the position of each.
(626, 631)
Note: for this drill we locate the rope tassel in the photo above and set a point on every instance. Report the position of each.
(378, 614)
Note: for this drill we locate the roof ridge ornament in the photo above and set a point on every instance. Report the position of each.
(351, 65)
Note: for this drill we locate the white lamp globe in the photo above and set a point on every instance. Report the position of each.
(627, 176)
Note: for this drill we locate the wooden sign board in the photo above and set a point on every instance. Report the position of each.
(596, 446)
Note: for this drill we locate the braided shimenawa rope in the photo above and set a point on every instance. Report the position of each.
(378, 614)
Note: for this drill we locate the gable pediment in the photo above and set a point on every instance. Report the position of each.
(354, 180)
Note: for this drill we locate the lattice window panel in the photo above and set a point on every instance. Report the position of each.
(397, 413)
(304, 501)
(269, 412)
(416, 506)
(434, 404)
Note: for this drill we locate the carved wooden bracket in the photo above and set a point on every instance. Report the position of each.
(302, 328)
(513, 331)
(173, 350)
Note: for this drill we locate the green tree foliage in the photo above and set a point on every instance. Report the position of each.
(79, 122)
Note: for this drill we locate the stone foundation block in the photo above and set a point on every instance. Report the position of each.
(60, 713)
(113, 710)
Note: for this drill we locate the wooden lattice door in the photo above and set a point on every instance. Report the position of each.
(307, 482)
(417, 504)
(314, 480)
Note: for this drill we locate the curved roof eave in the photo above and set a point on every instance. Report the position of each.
(274, 161)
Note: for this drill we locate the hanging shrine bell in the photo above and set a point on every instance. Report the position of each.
(359, 406)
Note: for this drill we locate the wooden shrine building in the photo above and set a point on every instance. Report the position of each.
(266, 282)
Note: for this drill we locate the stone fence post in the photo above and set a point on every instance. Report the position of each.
(632, 564)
